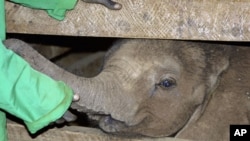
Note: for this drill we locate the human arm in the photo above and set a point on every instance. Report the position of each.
(30, 95)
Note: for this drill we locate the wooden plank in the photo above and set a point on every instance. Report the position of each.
(227, 20)
(17, 132)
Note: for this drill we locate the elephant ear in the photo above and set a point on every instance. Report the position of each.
(217, 61)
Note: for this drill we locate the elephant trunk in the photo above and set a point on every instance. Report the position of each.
(99, 94)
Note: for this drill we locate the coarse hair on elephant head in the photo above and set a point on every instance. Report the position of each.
(146, 87)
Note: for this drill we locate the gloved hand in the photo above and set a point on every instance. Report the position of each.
(30, 95)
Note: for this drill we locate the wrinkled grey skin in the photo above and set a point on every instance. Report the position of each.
(160, 88)
(107, 3)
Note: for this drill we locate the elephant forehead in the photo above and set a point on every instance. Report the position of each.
(139, 67)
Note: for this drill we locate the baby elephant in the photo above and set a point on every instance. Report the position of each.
(159, 88)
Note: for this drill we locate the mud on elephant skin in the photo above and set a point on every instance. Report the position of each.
(161, 88)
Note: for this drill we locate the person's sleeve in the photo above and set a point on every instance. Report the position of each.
(3, 133)
(55, 8)
(2, 21)
(30, 95)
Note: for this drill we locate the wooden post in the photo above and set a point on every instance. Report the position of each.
(17, 132)
(164, 19)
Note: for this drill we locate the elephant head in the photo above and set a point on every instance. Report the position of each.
(146, 87)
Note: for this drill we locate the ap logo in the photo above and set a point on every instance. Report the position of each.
(239, 132)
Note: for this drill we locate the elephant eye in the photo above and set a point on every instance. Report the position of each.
(167, 83)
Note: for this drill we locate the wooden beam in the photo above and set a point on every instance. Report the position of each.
(165, 19)
(17, 132)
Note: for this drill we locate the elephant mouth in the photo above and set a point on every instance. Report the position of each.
(108, 124)
(113, 126)
(104, 120)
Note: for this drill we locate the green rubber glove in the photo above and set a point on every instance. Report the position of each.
(55, 8)
(30, 95)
